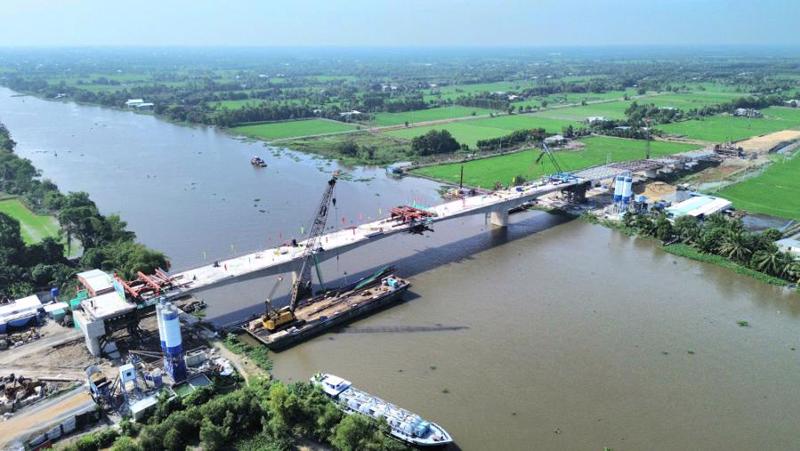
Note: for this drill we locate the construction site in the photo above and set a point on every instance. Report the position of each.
(118, 344)
(106, 354)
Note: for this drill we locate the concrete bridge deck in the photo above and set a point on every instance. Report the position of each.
(496, 204)
(283, 259)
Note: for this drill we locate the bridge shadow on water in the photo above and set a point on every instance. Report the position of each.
(523, 225)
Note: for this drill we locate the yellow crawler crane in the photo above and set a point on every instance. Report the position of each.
(275, 320)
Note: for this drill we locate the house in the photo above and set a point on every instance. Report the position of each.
(349, 114)
(513, 97)
(595, 120)
(555, 140)
(139, 104)
(747, 112)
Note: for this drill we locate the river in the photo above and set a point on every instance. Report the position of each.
(551, 334)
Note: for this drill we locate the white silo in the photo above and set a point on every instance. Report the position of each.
(627, 193)
(160, 319)
(173, 352)
(619, 181)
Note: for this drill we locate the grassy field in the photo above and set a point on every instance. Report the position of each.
(729, 128)
(775, 192)
(597, 150)
(454, 91)
(609, 110)
(34, 227)
(386, 148)
(469, 132)
(431, 114)
(690, 100)
(568, 98)
(291, 129)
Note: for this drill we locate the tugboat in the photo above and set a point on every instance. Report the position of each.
(258, 162)
(404, 425)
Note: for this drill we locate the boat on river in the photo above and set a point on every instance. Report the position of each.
(258, 162)
(403, 424)
(333, 308)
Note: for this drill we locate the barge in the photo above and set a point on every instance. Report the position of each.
(332, 308)
(403, 424)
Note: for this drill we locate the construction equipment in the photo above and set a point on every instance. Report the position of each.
(560, 176)
(301, 286)
(273, 317)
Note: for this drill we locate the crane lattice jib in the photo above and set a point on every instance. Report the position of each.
(312, 243)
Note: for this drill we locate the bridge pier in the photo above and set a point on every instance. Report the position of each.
(499, 218)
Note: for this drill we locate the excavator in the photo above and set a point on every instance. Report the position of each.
(273, 319)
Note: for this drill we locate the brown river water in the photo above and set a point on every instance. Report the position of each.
(551, 334)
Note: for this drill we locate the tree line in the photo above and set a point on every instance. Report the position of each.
(263, 415)
(721, 236)
(105, 240)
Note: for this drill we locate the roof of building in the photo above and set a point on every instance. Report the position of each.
(96, 280)
(699, 206)
(106, 305)
(791, 243)
(20, 307)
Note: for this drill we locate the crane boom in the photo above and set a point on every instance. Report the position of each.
(303, 280)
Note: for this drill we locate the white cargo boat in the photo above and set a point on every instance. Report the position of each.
(404, 425)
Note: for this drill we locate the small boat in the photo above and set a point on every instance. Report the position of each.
(258, 162)
(404, 425)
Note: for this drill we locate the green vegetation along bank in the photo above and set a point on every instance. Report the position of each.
(720, 240)
(106, 241)
(264, 415)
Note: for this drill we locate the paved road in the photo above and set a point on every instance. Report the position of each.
(40, 415)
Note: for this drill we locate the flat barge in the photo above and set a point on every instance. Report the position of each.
(333, 308)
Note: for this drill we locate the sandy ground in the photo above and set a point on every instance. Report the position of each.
(657, 190)
(763, 144)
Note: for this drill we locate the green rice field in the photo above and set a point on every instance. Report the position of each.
(454, 91)
(574, 98)
(431, 114)
(469, 132)
(34, 227)
(730, 128)
(598, 150)
(609, 110)
(292, 129)
(774, 192)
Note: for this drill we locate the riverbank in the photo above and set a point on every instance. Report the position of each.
(683, 237)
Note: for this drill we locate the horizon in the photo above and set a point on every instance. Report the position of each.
(414, 24)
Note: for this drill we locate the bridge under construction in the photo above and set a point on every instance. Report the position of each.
(405, 219)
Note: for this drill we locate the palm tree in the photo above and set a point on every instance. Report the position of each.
(793, 271)
(773, 262)
(734, 246)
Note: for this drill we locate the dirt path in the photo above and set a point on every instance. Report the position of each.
(242, 364)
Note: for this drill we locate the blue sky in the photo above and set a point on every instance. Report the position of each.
(398, 23)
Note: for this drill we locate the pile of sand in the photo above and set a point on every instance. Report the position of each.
(763, 144)
(658, 190)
